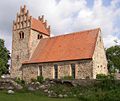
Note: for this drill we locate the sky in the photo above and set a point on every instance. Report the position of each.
(66, 16)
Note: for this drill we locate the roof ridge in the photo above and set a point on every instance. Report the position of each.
(44, 22)
(71, 33)
(40, 26)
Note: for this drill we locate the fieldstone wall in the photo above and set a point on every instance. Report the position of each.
(20, 51)
(47, 70)
(64, 69)
(99, 58)
(83, 70)
(29, 72)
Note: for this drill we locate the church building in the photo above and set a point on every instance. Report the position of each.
(35, 53)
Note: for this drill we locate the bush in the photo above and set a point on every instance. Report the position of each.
(104, 77)
(111, 76)
(40, 79)
(19, 81)
(67, 78)
(101, 76)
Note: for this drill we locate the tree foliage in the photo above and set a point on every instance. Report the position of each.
(113, 56)
(4, 57)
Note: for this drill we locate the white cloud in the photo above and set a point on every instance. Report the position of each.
(111, 40)
(74, 15)
(98, 16)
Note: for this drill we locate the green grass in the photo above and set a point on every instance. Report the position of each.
(29, 96)
(105, 90)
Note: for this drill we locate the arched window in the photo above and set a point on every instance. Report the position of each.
(39, 36)
(73, 72)
(56, 71)
(21, 34)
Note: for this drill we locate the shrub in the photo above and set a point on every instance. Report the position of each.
(101, 76)
(111, 76)
(67, 78)
(40, 79)
(104, 77)
(19, 81)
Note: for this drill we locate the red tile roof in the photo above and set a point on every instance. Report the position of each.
(74, 46)
(39, 26)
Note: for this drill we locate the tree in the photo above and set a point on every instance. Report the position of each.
(113, 56)
(4, 57)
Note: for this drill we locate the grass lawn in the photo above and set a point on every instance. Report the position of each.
(29, 97)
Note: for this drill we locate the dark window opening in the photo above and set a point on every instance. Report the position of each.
(40, 36)
(73, 70)
(56, 71)
(40, 71)
(21, 34)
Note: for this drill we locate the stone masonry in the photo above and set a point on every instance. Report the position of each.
(99, 58)
(22, 48)
(83, 70)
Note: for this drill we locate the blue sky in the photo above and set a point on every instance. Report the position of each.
(90, 3)
(66, 16)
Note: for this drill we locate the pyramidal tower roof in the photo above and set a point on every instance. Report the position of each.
(24, 20)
